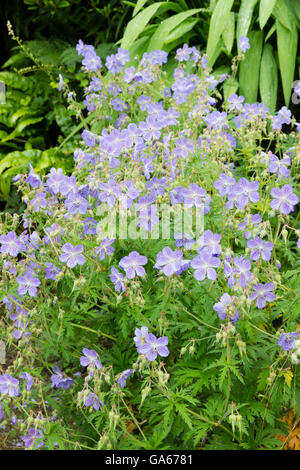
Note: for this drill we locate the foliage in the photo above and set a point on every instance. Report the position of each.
(272, 24)
(228, 375)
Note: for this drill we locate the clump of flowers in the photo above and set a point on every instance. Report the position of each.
(170, 253)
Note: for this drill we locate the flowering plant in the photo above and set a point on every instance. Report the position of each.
(151, 299)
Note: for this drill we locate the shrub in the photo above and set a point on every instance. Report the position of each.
(151, 299)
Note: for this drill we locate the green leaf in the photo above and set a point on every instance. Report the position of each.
(17, 158)
(265, 11)
(244, 18)
(180, 30)
(167, 26)
(217, 24)
(138, 23)
(287, 41)
(228, 33)
(250, 66)
(139, 5)
(282, 13)
(230, 87)
(268, 83)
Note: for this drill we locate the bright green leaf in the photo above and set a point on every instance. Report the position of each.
(268, 83)
(250, 67)
(265, 11)
(217, 24)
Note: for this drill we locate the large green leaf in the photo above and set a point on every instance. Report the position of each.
(265, 11)
(217, 24)
(287, 41)
(268, 82)
(137, 24)
(167, 26)
(230, 86)
(181, 29)
(250, 66)
(229, 30)
(244, 18)
(282, 13)
(139, 5)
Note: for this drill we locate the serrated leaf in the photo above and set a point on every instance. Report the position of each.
(217, 24)
(249, 68)
(265, 11)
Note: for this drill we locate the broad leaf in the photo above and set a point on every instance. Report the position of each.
(265, 11)
(250, 67)
(268, 83)
(287, 42)
(217, 24)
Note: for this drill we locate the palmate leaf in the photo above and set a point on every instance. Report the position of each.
(287, 41)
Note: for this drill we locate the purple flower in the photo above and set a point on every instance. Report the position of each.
(244, 44)
(90, 359)
(210, 242)
(28, 378)
(72, 255)
(133, 264)
(92, 400)
(117, 279)
(31, 437)
(51, 271)
(59, 381)
(105, 248)
(204, 265)
(287, 340)
(260, 249)
(241, 192)
(196, 196)
(224, 184)
(263, 294)
(76, 204)
(242, 270)
(124, 376)
(28, 283)
(225, 308)
(11, 244)
(9, 385)
(140, 335)
(284, 199)
(61, 82)
(235, 102)
(169, 261)
(154, 346)
(279, 166)
(184, 239)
